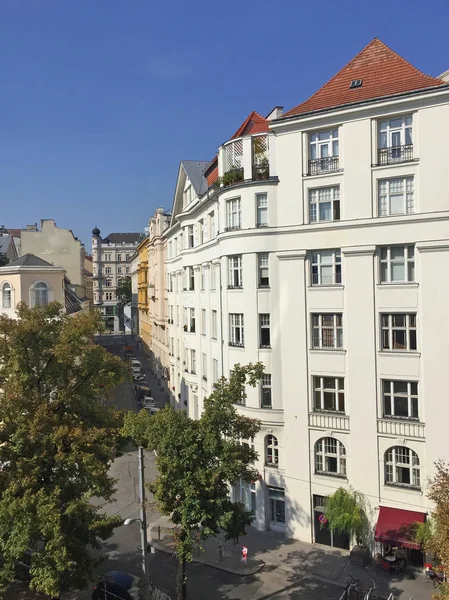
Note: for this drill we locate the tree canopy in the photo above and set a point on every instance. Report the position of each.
(346, 513)
(124, 292)
(56, 444)
(198, 460)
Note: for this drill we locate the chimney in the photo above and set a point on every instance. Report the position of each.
(276, 113)
(32, 227)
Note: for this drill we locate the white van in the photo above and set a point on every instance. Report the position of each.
(136, 364)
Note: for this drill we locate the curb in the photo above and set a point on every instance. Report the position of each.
(243, 572)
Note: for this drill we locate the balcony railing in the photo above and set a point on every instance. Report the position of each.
(232, 177)
(334, 279)
(329, 421)
(329, 164)
(232, 228)
(394, 155)
(400, 428)
(237, 344)
(261, 172)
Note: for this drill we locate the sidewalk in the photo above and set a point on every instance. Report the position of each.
(288, 566)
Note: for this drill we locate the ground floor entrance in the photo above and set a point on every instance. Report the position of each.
(322, 533)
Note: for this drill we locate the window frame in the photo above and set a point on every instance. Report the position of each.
(323, 454)
(236, 325)
(315, 202)
(214, 324)
(316, 263)
(322, 333)
(320, 389)
(388, 329)
(7, 287)
(260, 268)
(233, 214)
(235, 271)
(408, 263)
(393, 398)
(262, 210)
(391, 131)
(204, 366)
(38, 288)
(192, 361)
(271, 451)
(203, 321)
(394, 467)
(384, 199)
(266, 386)
(264, 325)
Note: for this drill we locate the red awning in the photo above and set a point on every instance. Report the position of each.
(396, 526)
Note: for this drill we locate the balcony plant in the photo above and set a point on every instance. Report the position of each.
(231, 177)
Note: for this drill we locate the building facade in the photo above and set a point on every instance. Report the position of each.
(318, 252)
(111, 259)
(142, 295)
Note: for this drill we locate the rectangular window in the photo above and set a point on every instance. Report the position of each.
(203, 278)
(193, 361)
(235, 271)
(323, 152)
(398, 332)
(108, 270)
(212, 228)
(397, 264)
(324, 204)
(213, 276)
(119, 270)
(328, 394)
(204, 367)
(188, 196)
(263, 268)
(119, 257)
(395, 140)
(214, 325)
(203, 321)
(190, 237)
(192, 320)
(236, 337)
(214, 370)
(326, 267)
(327, 331)
(169, 249)
(261, 210)
(107, 257)
(400, 399)
(264, 331)
(233, 217)
(127, 270)
(200, 229)
(189, 279)
(177, 314)
(266, 391)
(127, 257)
(395, 196)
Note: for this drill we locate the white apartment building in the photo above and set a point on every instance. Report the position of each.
(111, 260)
(321, 254)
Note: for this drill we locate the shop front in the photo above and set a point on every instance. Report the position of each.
(322, 533)
(395, 534)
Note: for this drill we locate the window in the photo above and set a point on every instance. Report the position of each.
(395, 140)
(203, 321)
(193, 361)
(109, 296)
(119, 257)
(204, 365)
(326, 267)
(236, 337)
(400, 399)
(200, 229)
(235, 271)
(397, 264)
(328, 394)
(177, 314)
(265, 400)
(6, 295)
(327, 331)
(108, 270)
(263, 275)
(233, 214)
(271, 451)
(323, 151)
(330, 457)
(170, 249)
(213, 276)
(214, 370)
(189, 279)
(107, 257)
(203, 278)
(264, 331)
(212, 229)
(188, 196)
(324, 204)
(108, 282)
(127, 270)
(398, 332)
(127, 257)
(190, 237)
(396, 196)
(402, 467)
(191, 323)
(41, 294)
(119, 270)
(261, 210)
(214, 327)
(277, 507)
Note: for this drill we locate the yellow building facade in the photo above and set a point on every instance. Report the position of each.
(142, 294)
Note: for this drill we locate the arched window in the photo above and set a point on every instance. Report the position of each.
(330, 457)
(402, 467)
(41, 294)
(271, 451)
(6, 295)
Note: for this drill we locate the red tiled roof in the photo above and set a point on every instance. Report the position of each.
(254, 123)
(15, 232)
(212, 177)
(383, 72)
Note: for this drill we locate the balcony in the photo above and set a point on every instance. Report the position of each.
(401, 428)
(261, 172)
(232, 177)
(237, 344)
(394, 155)
(232, 228)
(332, 421)
(318, 166)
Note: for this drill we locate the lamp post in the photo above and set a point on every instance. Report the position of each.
(143, 529)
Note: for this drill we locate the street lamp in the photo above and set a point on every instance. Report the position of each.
(143, 529)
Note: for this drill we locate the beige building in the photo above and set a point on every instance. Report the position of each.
(36, 282)
(57, 246)
(88, 281)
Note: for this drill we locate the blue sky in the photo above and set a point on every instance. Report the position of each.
(101, 99)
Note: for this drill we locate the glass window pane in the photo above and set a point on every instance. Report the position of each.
(395, 123)
(325, 211)
(397, 204)
(324, 135)
(397, 252)
(397, 272)
(400, 406)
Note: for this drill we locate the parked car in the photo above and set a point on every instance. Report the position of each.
(137, 376)
(117, 585)
(152, 410)
(147, 402)
(136, 363)
(142, 389)
(136, 370)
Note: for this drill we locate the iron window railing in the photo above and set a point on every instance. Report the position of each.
(395, 154)
(261, 172)
(329, 164)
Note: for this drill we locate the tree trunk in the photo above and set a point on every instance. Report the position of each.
(181, 583)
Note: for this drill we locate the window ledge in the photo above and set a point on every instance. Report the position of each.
(397, 285)
(405, 163)
(324, 174)
(266, 408)
(411, 353)
(402, 419)
(263, 287)
(404, 486)
(339, 413)
(327, 350)
(336, 286)
(235, 287)
(232, 345)
(271, 466)
(264, 347)
(326, 474)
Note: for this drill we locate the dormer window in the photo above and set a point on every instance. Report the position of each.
(355, 83)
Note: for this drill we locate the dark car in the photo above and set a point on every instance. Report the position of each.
(142, 390)
(117, 585)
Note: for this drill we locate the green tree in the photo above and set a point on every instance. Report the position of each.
(56, 444)
(346, 513)
(124, 292)
(197, 460)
